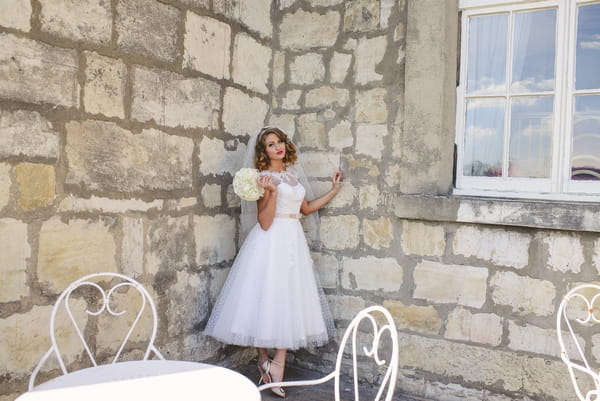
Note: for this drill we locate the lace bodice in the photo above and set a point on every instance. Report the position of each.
(290, 193)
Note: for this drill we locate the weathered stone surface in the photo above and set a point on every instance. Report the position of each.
(423, 239)
(197, 3)
(596, 346)
(106, 205)
(285, 122)
(246, 123)
(498, 246)
(27, 133)
(340, 232)
(104, 88)
(596, 257)
(340, 136)
(483, 328)
(320, 164)
(103, 156)
(371, 106)
(378, 233)
(524, 295)
(188, 303)
(148, 28)
(73, 249)
(372, 274)
(34, 72)
(215, 159)
(232, 199)
(339, 66)
(211, 195)
(385, 11)
(423, 319)
(217, 279)
(439, 283)
(304, 30)
(326, 268)
(324, 3)
(565, 252)
(13, 264)
(132, 247)
(311, 132)
(345, 307)
(255, 14)
(361, 15)
(5, 183)
(368, 54)
(173, 100)
(368, 197)
(278, 69)
(88, 20)
(180, 204)
(215, 239)
(327, 96)
(518, 373)
(291, 100)
(251, 62)
(369, 139)
(534, 339)
(36, 183)
(206, 45)
(306, 69)
(169, 244)
(16, 14)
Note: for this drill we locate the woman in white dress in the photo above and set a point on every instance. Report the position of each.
(271, 298)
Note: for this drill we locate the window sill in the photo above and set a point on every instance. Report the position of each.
(556, 215)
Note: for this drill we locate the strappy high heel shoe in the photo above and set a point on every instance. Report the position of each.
(266, 367)
(265, 377)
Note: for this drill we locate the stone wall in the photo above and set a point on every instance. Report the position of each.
(122, 123)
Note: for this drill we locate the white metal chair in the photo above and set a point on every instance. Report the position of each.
(105, 299)
(372, 314)
(578, 310)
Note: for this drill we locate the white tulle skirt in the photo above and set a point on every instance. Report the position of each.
(271, 298)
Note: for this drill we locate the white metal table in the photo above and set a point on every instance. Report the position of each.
(147, 380)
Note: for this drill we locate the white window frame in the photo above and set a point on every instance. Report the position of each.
(559, 186)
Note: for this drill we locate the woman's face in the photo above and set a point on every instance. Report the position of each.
(275, 147)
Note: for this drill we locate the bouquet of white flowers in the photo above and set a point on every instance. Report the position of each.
(245, 185)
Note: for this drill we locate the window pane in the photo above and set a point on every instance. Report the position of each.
(588, 47)
(484, 130)
(530, 149)
(486, 66)
(534, 50)
(585, 162)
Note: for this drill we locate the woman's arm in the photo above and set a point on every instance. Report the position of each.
(266, 204)
(309, 207)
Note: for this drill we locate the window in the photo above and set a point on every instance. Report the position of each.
(528, 101)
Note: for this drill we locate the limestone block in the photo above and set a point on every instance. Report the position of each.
(180, 204)
(518, 372)
(291, 100)
(392, 175)
(339, 66)
(284, 122)
(132, 247)
(340, 136)
(423, 239)
(326, 269)
(278, 68)
(188, 303)
(361, 15)
(320, 164)
(5, 183)
(233, 201)
(344, 198)
(215, 159)
(16, 14)
(443, 284)
(36, 183)
(565, 252)
(372, 274)
(243, 114)
(211, 195)
(524, 295)
(148, 28)
(369, 140)
(72, 249)
(368, 54)
(104, 156)
(104, 88)
(306, 69)
(368, 197)
(197, 3)
(483, 328)
(200, 347)
(206, 45)
(371, 106)
(535, 339)
(35, 72)
(422, 319)
(173, 100)
(27, 133)
(106, 205)
(325, 3)
(385, 10)
(217, 280)
(304, 30)
(501, 247)
(87, 20)
(251, 62)
(378, 233)
(311, 132)
(340, 232)
(13, 264)
(215, 239)
(255, 14)
(169, 244)
(596, 255)
(596, 346)
(345, 307)
(327, 96)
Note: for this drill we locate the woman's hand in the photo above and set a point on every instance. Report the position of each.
(267, 182)
(336, 180)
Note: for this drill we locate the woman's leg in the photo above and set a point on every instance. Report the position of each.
(263, 357)
(277, 368)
